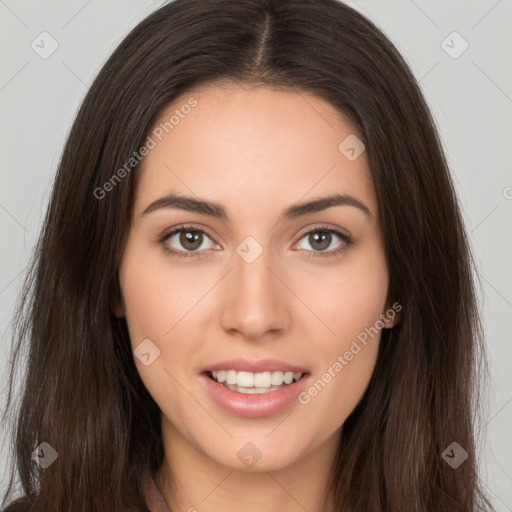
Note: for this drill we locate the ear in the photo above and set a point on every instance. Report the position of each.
(392, 315)
(117, 309)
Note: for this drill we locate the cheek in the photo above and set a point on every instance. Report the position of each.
(351, 307)
(349, 298)
(162, 303)
(156, 306)
(156, 296)
(345, 365)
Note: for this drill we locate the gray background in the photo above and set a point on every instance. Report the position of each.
(470, 97)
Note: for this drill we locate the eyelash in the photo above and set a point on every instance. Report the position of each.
(187, 254)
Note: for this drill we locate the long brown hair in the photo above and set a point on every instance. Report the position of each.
(82, 393)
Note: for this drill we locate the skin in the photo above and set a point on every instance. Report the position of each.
(255, 151)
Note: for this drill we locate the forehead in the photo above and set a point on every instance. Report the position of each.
(252, 146)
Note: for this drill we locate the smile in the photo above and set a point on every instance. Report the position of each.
(261, 398)
(254, 383)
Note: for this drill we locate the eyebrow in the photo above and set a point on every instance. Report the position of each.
(216, 210)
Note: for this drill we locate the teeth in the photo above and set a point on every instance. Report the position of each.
(255, 380)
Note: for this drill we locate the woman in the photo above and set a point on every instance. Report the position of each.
(252, 369)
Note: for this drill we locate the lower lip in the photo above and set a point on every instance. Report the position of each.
(257, 405)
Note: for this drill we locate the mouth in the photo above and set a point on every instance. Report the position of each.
(254, 395)
(251, 383)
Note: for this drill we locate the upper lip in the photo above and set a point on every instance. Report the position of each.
(261, 365)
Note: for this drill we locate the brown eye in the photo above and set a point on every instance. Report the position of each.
(191, 240)
(320, 240)
(182, 241)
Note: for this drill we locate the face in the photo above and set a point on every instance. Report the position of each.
(254, 288)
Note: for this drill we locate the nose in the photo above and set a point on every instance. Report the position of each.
(256, 301)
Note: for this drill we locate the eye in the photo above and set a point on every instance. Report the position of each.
(320, 238)
(190, 238)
